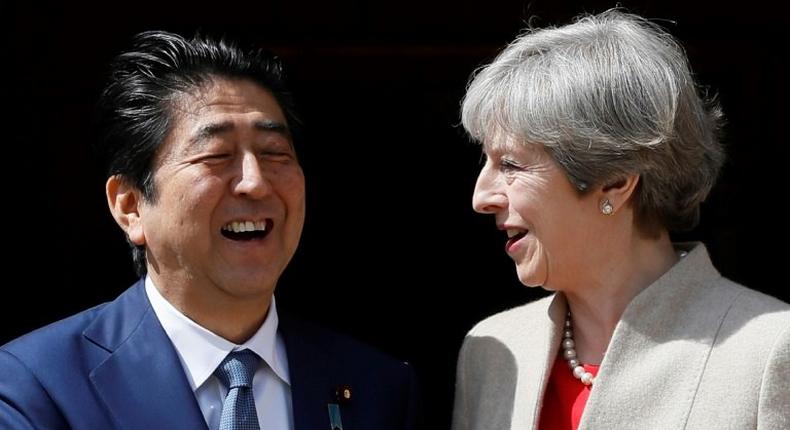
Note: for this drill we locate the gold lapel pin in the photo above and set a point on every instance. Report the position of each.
(343, 394)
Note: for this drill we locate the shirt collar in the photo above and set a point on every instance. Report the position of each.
(201, 351)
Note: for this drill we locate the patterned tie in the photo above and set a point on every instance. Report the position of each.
(238, 409)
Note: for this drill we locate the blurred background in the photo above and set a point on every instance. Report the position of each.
(392, 252)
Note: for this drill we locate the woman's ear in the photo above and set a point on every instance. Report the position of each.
(617, 193)
(125, 201)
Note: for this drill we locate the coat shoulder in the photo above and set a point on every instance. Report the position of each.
(42, 371)
(58, 339)
(514, 319)
(754, 316)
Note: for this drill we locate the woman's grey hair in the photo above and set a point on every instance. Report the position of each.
(608, 96)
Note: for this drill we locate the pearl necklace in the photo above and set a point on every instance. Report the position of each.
(569, 347)
(569, 353)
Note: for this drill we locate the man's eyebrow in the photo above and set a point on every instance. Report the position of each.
(273, 126)
(208, 131)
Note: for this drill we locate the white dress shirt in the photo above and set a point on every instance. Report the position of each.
(201, 351)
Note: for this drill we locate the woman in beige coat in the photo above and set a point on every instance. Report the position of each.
(598, 144)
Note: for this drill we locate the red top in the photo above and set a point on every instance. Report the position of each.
(565, 397)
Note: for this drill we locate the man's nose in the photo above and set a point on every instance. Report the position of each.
(252, 181)
(487, 198)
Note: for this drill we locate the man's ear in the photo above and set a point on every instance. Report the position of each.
(125, 200)
(618, 192)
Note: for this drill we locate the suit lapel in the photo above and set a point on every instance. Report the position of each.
(142, 382)
(310, 374)
(659, 350)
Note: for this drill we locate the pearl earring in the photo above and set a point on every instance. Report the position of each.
(606, 207)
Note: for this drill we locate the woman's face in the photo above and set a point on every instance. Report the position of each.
(551, 229)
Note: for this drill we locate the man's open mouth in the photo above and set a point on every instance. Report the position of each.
(247, 230)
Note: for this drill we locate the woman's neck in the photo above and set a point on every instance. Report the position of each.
(597, 306)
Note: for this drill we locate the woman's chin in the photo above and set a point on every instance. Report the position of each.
(531, 280)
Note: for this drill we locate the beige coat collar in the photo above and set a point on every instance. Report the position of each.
(658, 350)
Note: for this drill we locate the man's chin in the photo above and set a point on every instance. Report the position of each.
(249, 287)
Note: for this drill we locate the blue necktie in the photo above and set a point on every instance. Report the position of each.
(238, 409)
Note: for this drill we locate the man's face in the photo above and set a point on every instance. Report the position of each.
(230, 195)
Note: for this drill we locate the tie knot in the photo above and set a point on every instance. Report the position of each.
(237, 368)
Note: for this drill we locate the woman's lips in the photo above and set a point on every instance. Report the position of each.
(512, 242)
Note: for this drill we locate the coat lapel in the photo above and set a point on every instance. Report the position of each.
(310, 374)
(142, 381)
(659, 349)
(536, 360)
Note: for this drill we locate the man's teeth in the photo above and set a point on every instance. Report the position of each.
(242, 226)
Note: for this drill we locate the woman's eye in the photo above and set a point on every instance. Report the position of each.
(508, 166)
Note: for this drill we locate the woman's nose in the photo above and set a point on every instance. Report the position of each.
(487, 198)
